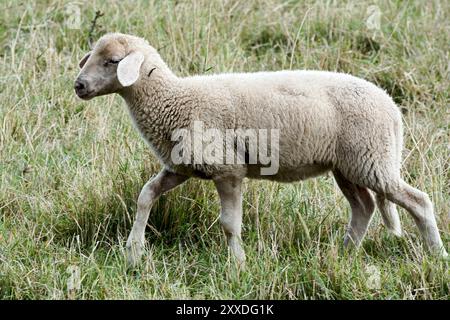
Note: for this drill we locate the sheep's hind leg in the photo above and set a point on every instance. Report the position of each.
(230, 194)
(418, 204)
(151, 191)
(389, 214)
(362, 206)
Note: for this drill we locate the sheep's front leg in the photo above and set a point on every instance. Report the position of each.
(230, 194)
(151, 191)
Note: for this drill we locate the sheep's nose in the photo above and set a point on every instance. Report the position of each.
(80, 86)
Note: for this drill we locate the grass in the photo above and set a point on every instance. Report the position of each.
(70, 171)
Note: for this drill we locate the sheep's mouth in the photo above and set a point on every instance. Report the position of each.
(86, 95)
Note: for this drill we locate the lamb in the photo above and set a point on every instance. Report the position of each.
(326, 122)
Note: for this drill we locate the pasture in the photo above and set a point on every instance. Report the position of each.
(71, 171)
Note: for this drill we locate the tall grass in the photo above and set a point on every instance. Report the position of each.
(70, 171)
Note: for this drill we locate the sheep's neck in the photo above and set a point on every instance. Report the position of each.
(152, 106)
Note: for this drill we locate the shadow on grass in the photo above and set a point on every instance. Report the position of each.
(385, 248)
(184, 216)
(103, 222)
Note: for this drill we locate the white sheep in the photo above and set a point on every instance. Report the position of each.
(326, 121)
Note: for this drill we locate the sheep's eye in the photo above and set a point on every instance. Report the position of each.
(111, 61)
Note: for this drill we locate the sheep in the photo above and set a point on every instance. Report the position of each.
(326, 121)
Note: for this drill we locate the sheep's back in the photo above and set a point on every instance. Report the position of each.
(311, 109)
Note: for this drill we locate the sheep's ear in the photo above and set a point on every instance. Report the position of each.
(128, 69)
(85, 58)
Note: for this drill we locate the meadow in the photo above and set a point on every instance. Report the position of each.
(71, 171)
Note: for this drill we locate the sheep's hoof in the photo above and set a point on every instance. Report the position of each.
(397, 232)
(241, 264)
(239, 257)
(134, 251)
(444, 255)
(350, 244)
(439, 253)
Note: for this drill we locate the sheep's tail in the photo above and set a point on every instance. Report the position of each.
(398, 136)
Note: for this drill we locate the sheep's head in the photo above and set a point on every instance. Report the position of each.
(113, 64)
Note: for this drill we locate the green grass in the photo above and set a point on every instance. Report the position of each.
(70, 171)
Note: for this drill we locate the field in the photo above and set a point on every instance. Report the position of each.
(71, 171)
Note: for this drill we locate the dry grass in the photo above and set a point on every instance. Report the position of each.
(70, 171)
